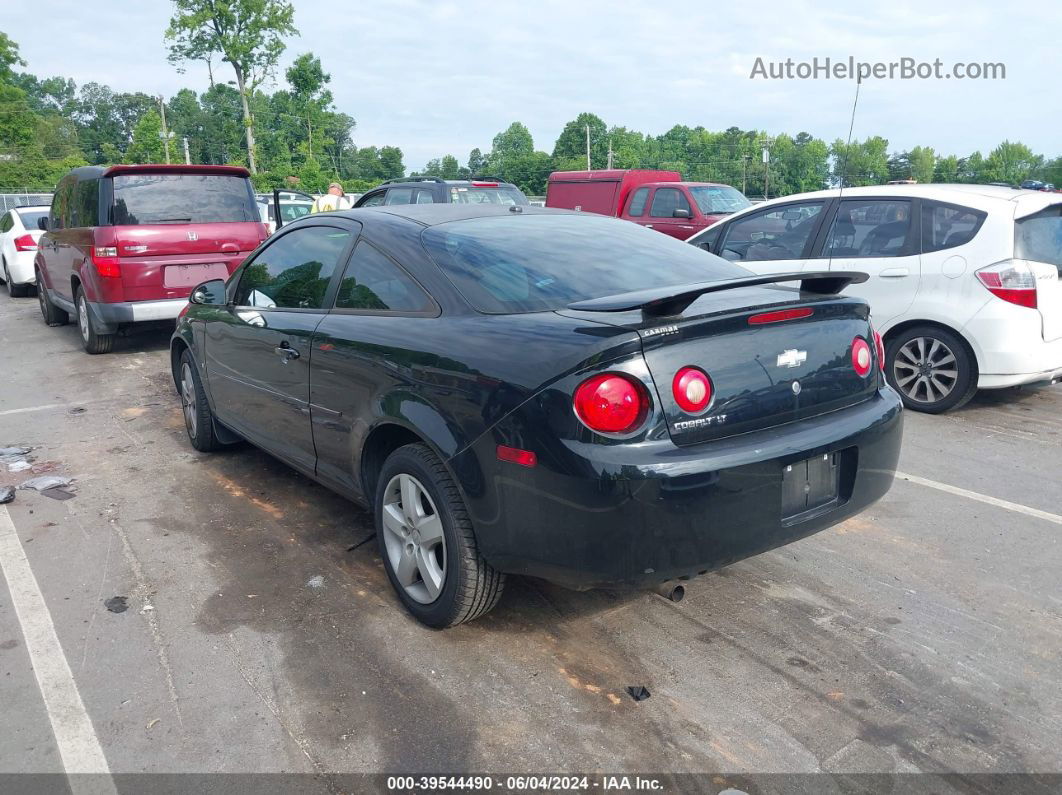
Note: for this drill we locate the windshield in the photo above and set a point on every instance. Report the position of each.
(181, 199)
(31, 217)
(534, 263)
(1039, 237)
(463, 195)
(712, 199)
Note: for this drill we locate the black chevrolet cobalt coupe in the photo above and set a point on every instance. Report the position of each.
(539, 392)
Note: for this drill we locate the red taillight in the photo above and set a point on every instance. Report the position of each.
(611, 403)
(861, 358)
(879, 346)
(485, 184)
(780, 316)
(524, 458)
(105, 259)
(692, 389)
(25, 243)
(1011, 280)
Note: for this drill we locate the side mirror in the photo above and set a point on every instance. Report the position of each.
(678, 212)
(42, 223)
(210, 293)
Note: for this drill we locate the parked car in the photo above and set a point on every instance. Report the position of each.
(434, 190)
(126, 244)
(656, 199)
(527, 391)
(964, 279)
(293, 204)
(19, 233)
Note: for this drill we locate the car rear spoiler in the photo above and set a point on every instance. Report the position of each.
(667, 301)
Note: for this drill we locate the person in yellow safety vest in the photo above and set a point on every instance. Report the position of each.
(334, 200)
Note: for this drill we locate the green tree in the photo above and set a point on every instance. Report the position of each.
(146, 146)
(476, 162)
(861, 162)
(923, 162)
(571, 144)
(245, 33)
(1011, 162)
(946, 169)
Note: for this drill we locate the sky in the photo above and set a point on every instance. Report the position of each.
(439, 78)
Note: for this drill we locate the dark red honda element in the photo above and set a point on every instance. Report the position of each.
(126, 244)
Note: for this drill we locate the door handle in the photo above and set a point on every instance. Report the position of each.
(894, 273)
(286, 351)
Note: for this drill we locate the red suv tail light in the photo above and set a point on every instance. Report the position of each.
(611, 403)
(25, 243)
(105, 258)
(861, 358)
(692, 389)
(1012, 280)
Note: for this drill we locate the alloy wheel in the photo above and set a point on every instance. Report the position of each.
(188, 401)
(413, 538)
(82, 317)
(925, 370)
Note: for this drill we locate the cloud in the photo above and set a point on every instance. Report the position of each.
(437, 78)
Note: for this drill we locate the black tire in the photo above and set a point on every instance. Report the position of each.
(14, 290)
(471, 587)
(198, 418)
(53, 315)
(922, 359)
(94, 342)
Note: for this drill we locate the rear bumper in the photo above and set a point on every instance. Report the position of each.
(20, 267)
(619, 516)
(109, 316)
(1008, 341)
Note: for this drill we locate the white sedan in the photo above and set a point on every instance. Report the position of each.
(19, 234)
(964, 285)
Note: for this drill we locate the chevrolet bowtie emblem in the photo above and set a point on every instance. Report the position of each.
(792, 358)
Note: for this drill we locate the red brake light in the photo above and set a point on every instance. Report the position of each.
(1011, 280)
(105, 258)
(692, 389)
(861, 359)
(524, 458)
(484, 184)
(779, 316)
(611, 403)
(879, 346)
(25, 243)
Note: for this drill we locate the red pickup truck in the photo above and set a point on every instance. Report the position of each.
(656, 199)
(126, 244)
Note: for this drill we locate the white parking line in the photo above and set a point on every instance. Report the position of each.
(34, 408)
(973, 495)
(79, 747)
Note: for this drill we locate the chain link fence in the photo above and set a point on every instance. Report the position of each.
(23, 197)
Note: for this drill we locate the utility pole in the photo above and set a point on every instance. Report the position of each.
(165, 132)
(766, 166)
(609, 154)
(187, 157)
(588, 168)
(745, 171)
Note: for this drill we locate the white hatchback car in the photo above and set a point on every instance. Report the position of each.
(964, 282)
(19, 234)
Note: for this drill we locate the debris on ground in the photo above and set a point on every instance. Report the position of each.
(153, 722)
(117, 604)
(6, 451)
(44, 467)
(7, 494)
(78, 410)
(638, 693)
(46, 482)
(19, 466)
(58, 494)
(317, 581)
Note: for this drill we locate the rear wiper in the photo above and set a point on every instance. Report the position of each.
(668, 301)
(168, 221)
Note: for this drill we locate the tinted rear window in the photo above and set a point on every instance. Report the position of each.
(181, 199)
(542, 262)
(1039, 237)
(31, 217)
(473, 195)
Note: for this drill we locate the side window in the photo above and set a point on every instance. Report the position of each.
(6, 223)
(375, 200)
(60, 204)
(399, 196)
(372, 282)
(86, 204)
(425, 197)
(948, 226)
(778, 233)
(707, 239)
(293, 272)
(666, 201)
(869, 228)
(638, 200)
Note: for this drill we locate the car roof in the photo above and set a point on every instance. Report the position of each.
(941, 191)
(95, 172)
(432, 214)
(35, 207)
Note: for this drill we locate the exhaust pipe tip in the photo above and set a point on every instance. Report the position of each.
(672, 591)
